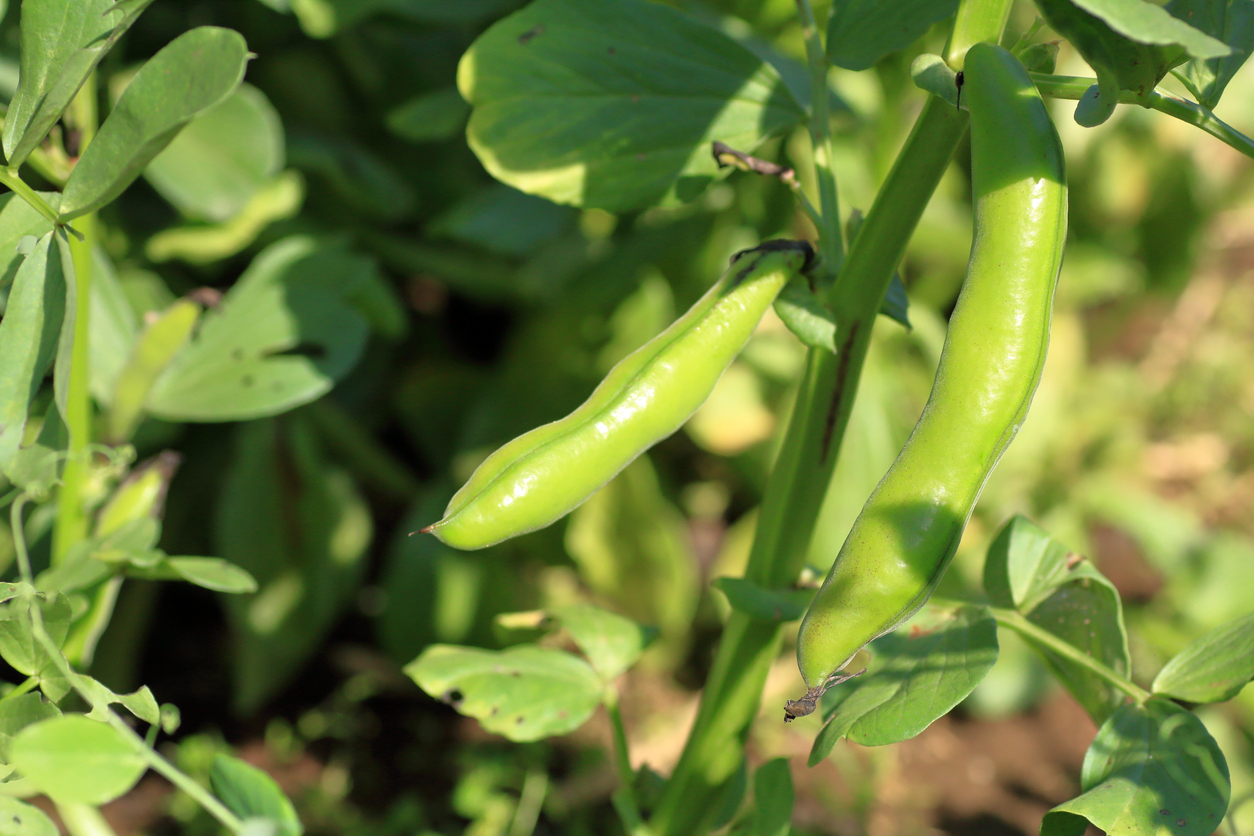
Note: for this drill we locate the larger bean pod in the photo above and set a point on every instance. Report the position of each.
(546, 473)
(991, 363)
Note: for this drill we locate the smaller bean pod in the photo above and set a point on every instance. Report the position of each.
(546, 473)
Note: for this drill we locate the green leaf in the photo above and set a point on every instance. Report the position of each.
(17, 641)
(611, 643)
(19, 220)
(141, 703)
(280, 338)
(1147, 23)
(307, 569)
(524, 693)
(1213, 668)
(17, 818)
(194, 72)
(1064, 594)
(113, 326)
(1231, 21)
(16, 713)
(148, 357)
(207, 572)
(1151, 769)
(62, 41)
(773, 798)
(778, 606)
(503, 220)
(224, 156)
(861, 32)
(614, 104)
(918, 674)
(76, 760)
(277, 200)
(807, 317)
(362, 179)
(250, 793)
(431, 117)
(28, 340)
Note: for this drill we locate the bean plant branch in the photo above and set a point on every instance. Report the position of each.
(1074, 87)
(807, 457)
(831, 244)
(71, 523)
(625, 801)
(154, 760)
(1016, 621)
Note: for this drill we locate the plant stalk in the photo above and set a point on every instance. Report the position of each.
(831, 244)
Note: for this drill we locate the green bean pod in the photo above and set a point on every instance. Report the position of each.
(991, 363)
(546, 473)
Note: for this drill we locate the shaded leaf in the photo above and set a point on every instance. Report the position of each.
(16, 713)
(281, 337)
(861, 32)
(250, 793)
(524, 693)
(1151, 769)
(1231, 21)
(773, 605)
(773, 797)
(1213, 668)
(29, 335)
(18, 645)
(1147, 23)
(430, 117)
(614, 104)
(917, 674)
(194, 72)
(222, 158)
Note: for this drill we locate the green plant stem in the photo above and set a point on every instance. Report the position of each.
(84, 820)
(157, 763)
(1074, 87)
(10, 178)
(977, 20)
(831, 244)
(72, 524)
(21, 688)
(1016, 621)
(625, 801)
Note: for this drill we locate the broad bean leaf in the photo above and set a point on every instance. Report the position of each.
(141, 703)
(861, 32)
(932, 75)
(222, 158)
(147, 359)
(1130, 44)
(307, 569)
(62, 41)
(365, 181)
(429, 117)
(281, 337)
(1213, 668)
(1231, 21)
(524, 693)
(807, 317)
(614, 104)
(773, 605)
(503, 220)
(1064, 594)
(917, 674)
(207, 572)
(1151, 769)
(77, 760)
(773, 797)
(18, 645)
(17, 818)
(16, 713)
(29, 335)
(114, 325)
(194, 72)
(19, 221)
(252, 794)
(611, 643)
(323, 18)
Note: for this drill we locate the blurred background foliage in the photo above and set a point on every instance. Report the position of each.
(481, 312)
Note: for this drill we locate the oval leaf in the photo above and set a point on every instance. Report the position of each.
(280, 338)
(861, 32)
(76, 760)
(524, 693)
(17, 818)
(191, 74)
(1151, 769)
(250, 793)
(1214, 668)
(611, 643)
(919, 673)
(62, 41)
(614, 104)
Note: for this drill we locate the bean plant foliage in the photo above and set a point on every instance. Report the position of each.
(195, 266)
